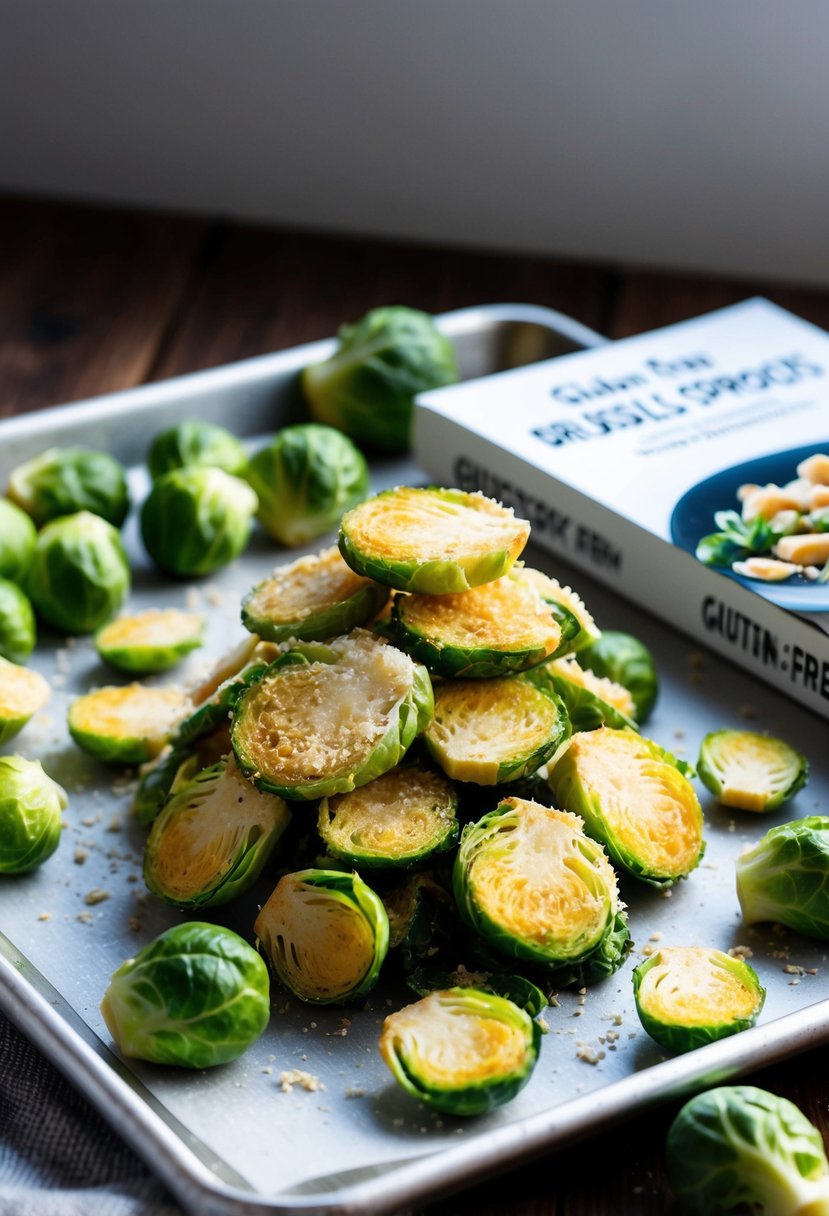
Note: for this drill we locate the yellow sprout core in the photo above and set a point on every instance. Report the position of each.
(507, 614)
(695, 986)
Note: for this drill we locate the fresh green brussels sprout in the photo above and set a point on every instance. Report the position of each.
(493, 731)
(79, 575)
(398, 819)
(18, 631)
(64, 481)
(634, 799)
(325, 934)
(493, 630)
(196, 996)
(212, 839)
(423, 923)
(305, 478)
(151, 641)
(750, 771)
(31, 806)
(312, 599)
(17, 541)
(578, 629)
(22, 694)
(625, 660)
(367, 388)
(196, 520)
(435, 542)
(196, 443)
(326, 719)
(742, 1149)
(125, 724)
(687, 996)
(785, 877)
(591, 701)
(528, 880)
(461, 1050)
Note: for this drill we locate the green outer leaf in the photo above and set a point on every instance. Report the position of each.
(474, 1098)
(79, 575)
(196, 996)
(785, 877)
(423, 923)
(64, 481)
(31, 811)
(196, 443)
(742, 1148)
(218, 708)
(196, 520)
(679, 1036)
(160, 780)
(17, 541)
(623, 658)
(516, 988)
(320, 626)
(716, 744)
(18, 631)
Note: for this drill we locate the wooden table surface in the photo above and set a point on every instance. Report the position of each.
(93, 300)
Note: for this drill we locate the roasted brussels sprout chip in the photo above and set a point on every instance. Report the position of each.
(493, 731)
(530, 882)
(634, 799)
(750, 771)
(22, 694)
(18, 631)
(435, 542)
(325, 933)
(501, 627)
(743, 1149)
(461, 1051)
(63, 481)
(578, 629)
(196, 996)
(31, 806)
(785, 877)
(591, 701)
(305, 478)
(151, 641)
(17, 541)
(212, 839)
(331, 718)
(367, 388)
(396, 820)
(196, 520)
(687, 996)
(625, 660)
(196, 443)
(79, 575)
(125, 725)
(312, 599)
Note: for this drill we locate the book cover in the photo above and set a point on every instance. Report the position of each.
(625, 458)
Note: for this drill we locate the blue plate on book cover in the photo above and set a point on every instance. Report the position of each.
(693, 518)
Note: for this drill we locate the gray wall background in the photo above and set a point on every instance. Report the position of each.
(686, 134)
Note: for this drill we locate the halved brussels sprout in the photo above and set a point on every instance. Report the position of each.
(151, 641)
(501, 627)
(79, 575)
(423, 923)
(18, 631)
(312, 599)
(396, 820)
(305, 478)
(785, 877)
(196, 996)
(367, 388)
(125, 725)
(432, 541)
(461, 1051)
(535, 887)
(17, 541)
(327, 719)
(687, 996)
(489, 731)
(578, 629)
(325, 933)
(63, 481)
(22, 694)
(591, 701)
(196, 520)
(634, 799)
(625, 660)
(196, 443)
(212, 839)
(31, 806)
(750, 771)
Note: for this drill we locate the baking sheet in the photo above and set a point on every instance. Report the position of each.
(235, 1139)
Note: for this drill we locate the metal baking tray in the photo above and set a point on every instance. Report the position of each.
(232, 1141)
